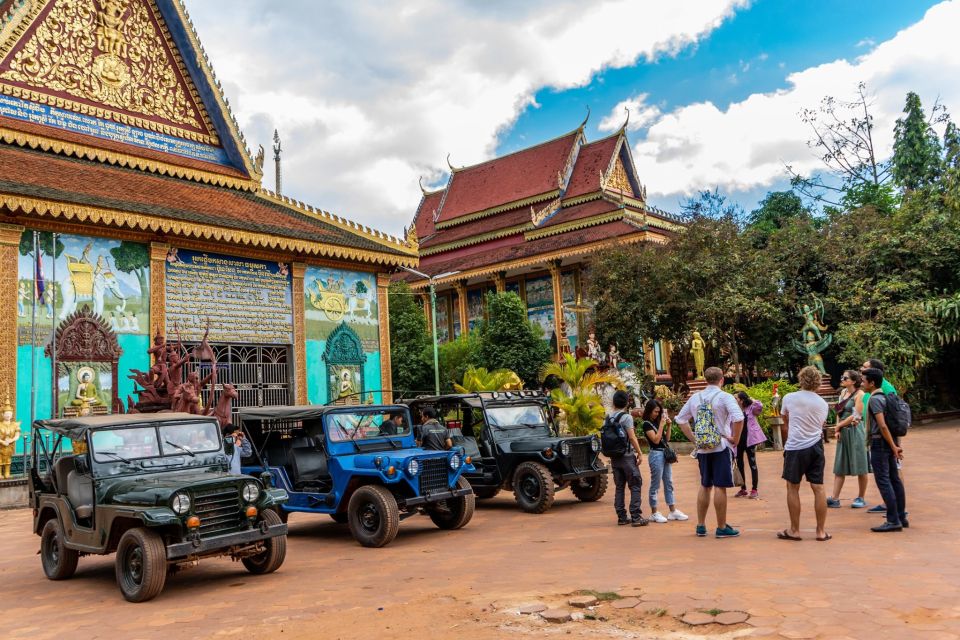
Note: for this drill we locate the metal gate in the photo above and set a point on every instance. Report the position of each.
(260, 373)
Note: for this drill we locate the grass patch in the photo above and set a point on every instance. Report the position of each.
(714, 612)
(602, 596)
(659, 612)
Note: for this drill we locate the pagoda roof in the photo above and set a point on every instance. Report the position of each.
(42, 185)
(593, 161)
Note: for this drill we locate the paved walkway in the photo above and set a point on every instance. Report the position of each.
(432, 583)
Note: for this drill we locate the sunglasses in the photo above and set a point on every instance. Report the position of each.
(844, 377)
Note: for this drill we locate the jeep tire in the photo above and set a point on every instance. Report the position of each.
(141, 565)
(59, 563)
(373, 516)
(533, 487)
(282, 513)
(485, 493)
(459, 511)
(275, 549)
(590, 489)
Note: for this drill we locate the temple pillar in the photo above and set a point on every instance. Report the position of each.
(158, 288)
(299, 335)
(9, 284)
(427, 310)
(500, 281)
(386, 366)
(461, 288)
(554, 267)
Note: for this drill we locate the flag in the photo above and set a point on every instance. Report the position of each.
(39, 284)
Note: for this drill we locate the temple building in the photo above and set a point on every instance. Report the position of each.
(529, 222)
(118, 147)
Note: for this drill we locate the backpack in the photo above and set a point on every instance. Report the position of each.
(612, 443)
(897, 415)
(705, 430)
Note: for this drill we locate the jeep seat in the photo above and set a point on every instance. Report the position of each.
(470, 446)
(308, 462)
(61, 470)
(80, 492)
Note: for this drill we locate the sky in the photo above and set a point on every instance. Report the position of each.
(370, 97)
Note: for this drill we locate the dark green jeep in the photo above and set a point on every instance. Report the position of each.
(154, 488)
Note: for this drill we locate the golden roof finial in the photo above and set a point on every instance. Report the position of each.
(6, 400)
(623, 127)
(584, 123)
(420, 182)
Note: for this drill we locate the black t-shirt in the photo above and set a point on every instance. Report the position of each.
(877, 404)
(435, 436)
(650, 428)
(390, 428)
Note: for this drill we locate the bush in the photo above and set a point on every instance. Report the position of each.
(764, 393)
(508, 339)
(456, 356)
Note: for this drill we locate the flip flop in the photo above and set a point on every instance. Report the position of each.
(784, 535)
(825, 538)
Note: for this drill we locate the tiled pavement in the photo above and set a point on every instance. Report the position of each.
(437, 584)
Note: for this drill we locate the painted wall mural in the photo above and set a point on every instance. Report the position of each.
(343, 336)
(540, 304)
(568, 289)
(443, 318)
(112, 278)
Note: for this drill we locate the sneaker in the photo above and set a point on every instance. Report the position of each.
(657, 517)
(741, 494)
(886, 527)
(640, 522)
(622, 521)
(858, 503)
(701, 531)
(676, 514)
(880, 508)
(833, 503)
(754, 495)
(904, 523)
(727, 532)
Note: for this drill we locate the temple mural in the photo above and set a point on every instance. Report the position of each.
(568, 290)
(110, 278)
(540, 304)
(342, 336)
(443, 318)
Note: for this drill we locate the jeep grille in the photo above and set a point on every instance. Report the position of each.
(433, 476)
(581, 456)
(219, 510)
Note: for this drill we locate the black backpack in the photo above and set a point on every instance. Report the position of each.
(612, 443)
(897, 415)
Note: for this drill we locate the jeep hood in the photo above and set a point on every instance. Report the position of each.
(156, 488)
(539, 443)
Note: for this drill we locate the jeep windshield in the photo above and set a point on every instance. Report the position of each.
(518, 420)
(140, 443)
(350, 426)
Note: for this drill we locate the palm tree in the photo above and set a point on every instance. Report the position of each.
(477, 379)
(582, 407)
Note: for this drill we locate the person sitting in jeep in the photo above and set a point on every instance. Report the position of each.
(433, 434)
(393, 425)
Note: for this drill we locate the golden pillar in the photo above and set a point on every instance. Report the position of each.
(386, 366)
(158, 288)
(461, 288)
(9, 284)
(554, 267)
(427, 310)
(500, 281)
(299, 335)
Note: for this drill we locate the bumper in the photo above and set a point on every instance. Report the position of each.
(437, 497)
(580, 475)
(203, 546)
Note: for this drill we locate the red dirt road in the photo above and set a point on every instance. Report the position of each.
(431, 583)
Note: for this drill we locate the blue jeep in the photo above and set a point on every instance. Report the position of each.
(358, 464)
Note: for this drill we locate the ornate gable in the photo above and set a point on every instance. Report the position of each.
(617, 179)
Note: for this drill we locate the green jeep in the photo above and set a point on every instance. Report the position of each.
(155, 489)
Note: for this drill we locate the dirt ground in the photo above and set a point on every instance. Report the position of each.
(430, 583)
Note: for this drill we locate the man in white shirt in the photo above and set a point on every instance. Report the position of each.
(804, 413)
(716, 463)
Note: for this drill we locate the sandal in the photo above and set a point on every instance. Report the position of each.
(825, 538)
(785, 535)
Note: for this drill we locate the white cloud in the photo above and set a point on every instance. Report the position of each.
(866, 42)
(368, 96)
(641, 114)
(747, 144)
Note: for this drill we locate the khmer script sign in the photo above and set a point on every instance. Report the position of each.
(245, 301)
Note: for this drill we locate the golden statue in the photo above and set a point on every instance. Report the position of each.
(9, 434)
(87, 394)
(698, 351)
(110, 38)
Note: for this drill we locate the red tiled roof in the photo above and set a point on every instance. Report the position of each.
(47, 176)
(473, 228)
(593, 160)
(423, 221)
(580, 211)
(520, 175)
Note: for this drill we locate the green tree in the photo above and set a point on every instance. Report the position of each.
(45, 242)
(916, 149)
(411, 346)
(951, 147)
(775, 210)
(456, 356)
(509, 341)
(133, 257)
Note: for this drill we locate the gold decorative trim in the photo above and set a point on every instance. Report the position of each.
(9, 283)
(516, 204)
(21, 139)
(574, 225)
(461, 288)
(466, 242)
(383, 311)
(299, 334)
(80, 213)
(587, 197)
(158, 288)
(539, 217)
(555, 281)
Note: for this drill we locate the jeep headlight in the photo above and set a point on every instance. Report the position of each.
(180, 503)
(413, 467)
(595, 444)
(250, 492)
(455, 461)
(565, 448)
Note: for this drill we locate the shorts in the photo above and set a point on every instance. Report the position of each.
(807, 462)
(716, 469)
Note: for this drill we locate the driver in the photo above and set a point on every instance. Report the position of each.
(393, 425)
(435, 435)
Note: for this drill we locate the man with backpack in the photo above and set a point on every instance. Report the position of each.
(889, 419)
(887, 387)
(718, 421)
(619, 443)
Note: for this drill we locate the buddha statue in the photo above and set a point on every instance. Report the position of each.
(9, 434)
(87, 394)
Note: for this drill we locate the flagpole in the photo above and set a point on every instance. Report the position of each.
(53, 324)
(33, 335)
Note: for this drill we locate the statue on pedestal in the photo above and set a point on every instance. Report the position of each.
(814, 338)
(698, 351)
(9, 434)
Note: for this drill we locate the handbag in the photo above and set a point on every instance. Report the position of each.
(737, 476)
(669, 455)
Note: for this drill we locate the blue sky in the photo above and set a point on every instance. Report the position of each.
(370, 97)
